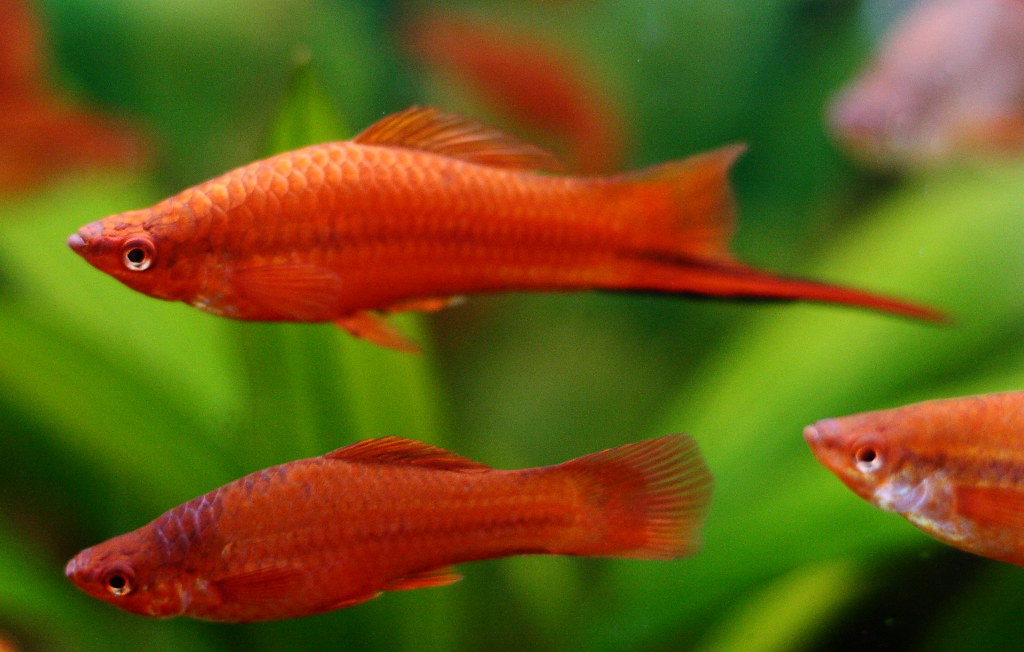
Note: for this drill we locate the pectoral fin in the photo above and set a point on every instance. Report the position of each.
(290, 292)
(261, 585)
(1001, 507)
(373, 327)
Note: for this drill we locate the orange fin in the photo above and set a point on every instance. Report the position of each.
(395, 450)
(646, 500)
(428, 304)
(424, 579)
(687, 206)
(687, 212)
(430, 130)
(295, 292)
(350, 602)
(261, 585)
(995, 506)
(373, 327)
(686, 275)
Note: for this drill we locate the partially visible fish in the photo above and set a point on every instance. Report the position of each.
(42, 134)
(953, 467)
(423, 207)
(390, 514)
(529, 80)
(947, 82)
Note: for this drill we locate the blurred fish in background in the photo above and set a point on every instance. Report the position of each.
(42, 133)
(946, 82)
(527, 79)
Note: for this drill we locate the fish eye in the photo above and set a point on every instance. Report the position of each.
(119, 581)
(867, 458)
(137, 254)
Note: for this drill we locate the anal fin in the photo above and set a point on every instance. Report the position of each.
(373, 327)
(425, 304)
(433, 577)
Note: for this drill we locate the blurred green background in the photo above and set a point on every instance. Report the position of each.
(115, 407)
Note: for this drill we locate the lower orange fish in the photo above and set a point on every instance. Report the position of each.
(389, 514)
(425, 206)
(954, 467)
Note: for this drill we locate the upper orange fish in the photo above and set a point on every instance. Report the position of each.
(948, 81)
(529, 80)
(425, 206)
(954, 467)
(390, 514)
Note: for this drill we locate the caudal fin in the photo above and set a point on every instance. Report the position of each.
(685, 211)
(645, 500)
(685, 207)
(734, 280)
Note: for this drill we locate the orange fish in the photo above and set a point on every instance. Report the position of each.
(422, 207)
(954, 467)
(530, 81)
(42, 135)
(947, 81)
(391, 514)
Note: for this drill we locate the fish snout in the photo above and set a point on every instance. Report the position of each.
(85, 237)
(78, 566)
(77, 244)
(821, 432)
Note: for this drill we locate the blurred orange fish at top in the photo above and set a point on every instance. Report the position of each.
(953, 467)
(425, 206)
(529, 80)
(41, 135)
(948, 81)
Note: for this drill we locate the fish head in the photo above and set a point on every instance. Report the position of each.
(863, 451)
(140, 249)
(129, 572)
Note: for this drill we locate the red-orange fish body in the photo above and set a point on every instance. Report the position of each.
(389, 514)
(423, 207)
(954, 467)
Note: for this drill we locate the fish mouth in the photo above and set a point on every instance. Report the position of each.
(820, 432)
(87, 236)
(77, 243)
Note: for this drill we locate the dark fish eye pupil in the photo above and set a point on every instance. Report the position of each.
(117, 582)
(866, 455)
(136, 255)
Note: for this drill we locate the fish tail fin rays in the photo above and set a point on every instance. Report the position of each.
(688, 213)
(739, 281)
(687, 206)
(646, 500)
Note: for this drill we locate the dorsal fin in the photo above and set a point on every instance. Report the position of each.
(431, 130)
(395, 450)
